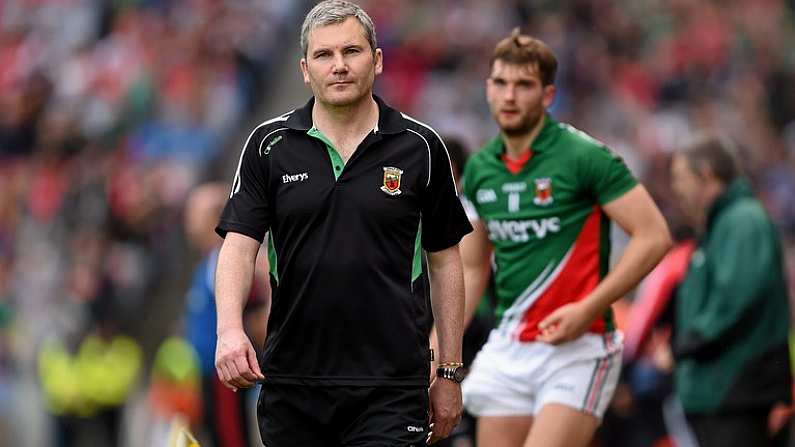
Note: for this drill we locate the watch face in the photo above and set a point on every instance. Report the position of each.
(459, 375)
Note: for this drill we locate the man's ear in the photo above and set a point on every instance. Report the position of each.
(304, 70)
(705, 171)
(549, 95)
(379, 61)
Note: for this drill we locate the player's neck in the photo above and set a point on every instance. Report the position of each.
(348, 120)
(517, 145)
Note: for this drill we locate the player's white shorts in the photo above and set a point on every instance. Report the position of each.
(511, 378)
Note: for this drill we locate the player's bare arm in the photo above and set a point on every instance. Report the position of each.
(476, 251)
(235, 358)
(447, 292)
(475, 255)
(636, 213)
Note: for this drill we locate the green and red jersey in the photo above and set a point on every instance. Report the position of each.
(551, 238)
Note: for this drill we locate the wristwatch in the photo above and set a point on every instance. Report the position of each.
(456, 373)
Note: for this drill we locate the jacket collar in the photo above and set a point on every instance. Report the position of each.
(736, 190)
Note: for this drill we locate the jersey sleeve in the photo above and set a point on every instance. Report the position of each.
(444, 221)
(605, 175)
(248, 210)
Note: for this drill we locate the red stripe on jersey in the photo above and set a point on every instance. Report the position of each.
(579, 277)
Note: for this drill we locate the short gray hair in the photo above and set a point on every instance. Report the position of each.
(718, 152)
(331, 12)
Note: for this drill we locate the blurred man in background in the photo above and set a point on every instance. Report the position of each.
(225, 415)
(350, 191)
(541, 194)
(732, 316)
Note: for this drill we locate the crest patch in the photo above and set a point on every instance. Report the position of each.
(543, 191)
(392, 180)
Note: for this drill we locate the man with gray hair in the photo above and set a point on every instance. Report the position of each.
(351, 193)
(732, 317)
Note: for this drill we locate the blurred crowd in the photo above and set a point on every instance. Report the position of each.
(642, 76)
(111, 112)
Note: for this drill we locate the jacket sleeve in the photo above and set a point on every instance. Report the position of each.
(743, 252)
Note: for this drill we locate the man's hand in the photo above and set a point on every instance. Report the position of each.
(235, 360)
(566, 323)
(446, 409)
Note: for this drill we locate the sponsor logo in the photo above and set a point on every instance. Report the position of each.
(486, 196)
(290, 178)
(271, 144)
(543, 191)
(522, 230)
(392, 180)
(415, 429)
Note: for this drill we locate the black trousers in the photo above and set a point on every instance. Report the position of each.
(739, 429)
(342, 416)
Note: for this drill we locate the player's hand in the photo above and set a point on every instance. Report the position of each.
(566, 323)
(235, 360)
(446, 409)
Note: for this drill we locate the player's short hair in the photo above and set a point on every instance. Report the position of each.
(521, 49)
(718, 152)
(331, 12)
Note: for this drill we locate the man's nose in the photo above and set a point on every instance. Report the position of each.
(509, 93)
(339, 64)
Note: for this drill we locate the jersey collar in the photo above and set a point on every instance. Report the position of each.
(541, 144)
(389, 120)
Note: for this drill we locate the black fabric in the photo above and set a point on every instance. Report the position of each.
(332, 416)
(764, 381)
(740, 429)
(345, 310)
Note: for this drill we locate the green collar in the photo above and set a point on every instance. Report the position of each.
(540, 144)
(738, 189)
(337, 163)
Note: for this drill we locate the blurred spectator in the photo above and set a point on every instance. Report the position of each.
(175, 393)
(732, 317)
(86, 390)
(226, 414)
